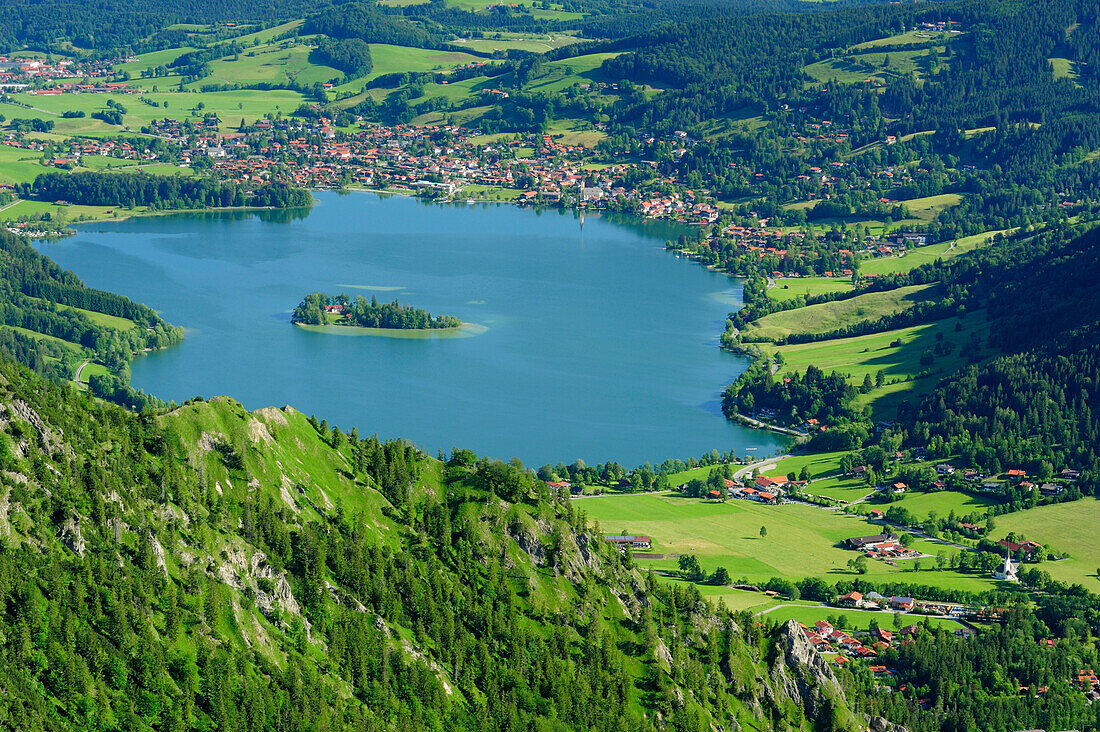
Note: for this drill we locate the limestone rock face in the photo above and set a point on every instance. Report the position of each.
(801, 675)
(878, 724)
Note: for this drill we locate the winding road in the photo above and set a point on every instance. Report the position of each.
(79, 370)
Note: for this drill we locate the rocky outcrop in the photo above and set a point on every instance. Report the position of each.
(801, 675)
(69, 535)
(879, 724)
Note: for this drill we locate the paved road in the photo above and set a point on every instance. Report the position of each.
(79, 369)
(761, 465)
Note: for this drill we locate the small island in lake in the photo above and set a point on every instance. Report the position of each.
(321, 309)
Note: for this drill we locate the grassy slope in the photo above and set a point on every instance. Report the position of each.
(829, 316)
(923, 255)
(1065, 527)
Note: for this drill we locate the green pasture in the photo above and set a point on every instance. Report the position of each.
(152, 60)
(536, 43)
(801, 540)
(788, 288)
(866, 355)
(1063, 68)
(1064, 528)
(393, 59)
(273, 64)
(874, 66)
(829, 316)
(20, 166)
(910, 38)
(230, 106)
(926, 254)
(942, 503)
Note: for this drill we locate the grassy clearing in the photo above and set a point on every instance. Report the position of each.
(66, 213)
(152, 60)
(392, 59)
(928, 208)
(19, 166)
(554, 13)
(278, 63)
(944, 502)
(537, 43)
(913, 37)
(67, 345)
(906, 377)
(1063, 68)
(1065, 527)
(801, 540)
(858, 68)
(490, 193)
(823, 469)
(924, 255)
(830, 316)
(566, 72)
(574, 132)
(789, 288)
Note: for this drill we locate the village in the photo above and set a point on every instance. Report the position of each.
(448, 162)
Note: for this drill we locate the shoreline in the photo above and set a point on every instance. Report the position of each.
(466, 330)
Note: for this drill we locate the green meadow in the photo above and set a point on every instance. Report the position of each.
(788, 288)
(829, 316)
(941, 503)
(274, 64)
(865, 355)
(924, 255)
(801, 541)
(394, 59)
(1069, 528)
(230, 106)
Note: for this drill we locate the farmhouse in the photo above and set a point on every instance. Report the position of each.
(1027, 548)
(869, 542)
(905, 604)
(764, 483)
(634, 542)
(852, 599)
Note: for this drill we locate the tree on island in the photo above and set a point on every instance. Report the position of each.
(316, 308)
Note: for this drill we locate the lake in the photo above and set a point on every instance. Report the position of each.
(597, 343)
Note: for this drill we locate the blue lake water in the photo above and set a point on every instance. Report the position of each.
(599, 344)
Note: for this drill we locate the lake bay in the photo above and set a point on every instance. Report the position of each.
(596, 342)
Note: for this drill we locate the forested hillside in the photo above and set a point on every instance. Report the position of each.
(1037, 404)
(51, 322)
(209, 568)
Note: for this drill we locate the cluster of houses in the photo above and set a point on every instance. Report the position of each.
(310, 154)
(885, 546)
(825, 638)
(762, 489)
(1089, 683)
(17, 73)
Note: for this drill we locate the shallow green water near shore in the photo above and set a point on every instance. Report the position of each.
(597, 343)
